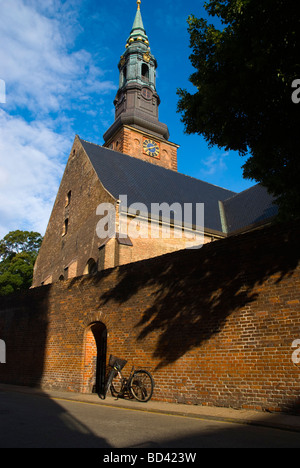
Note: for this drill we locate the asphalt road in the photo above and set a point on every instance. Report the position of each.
(33, 421)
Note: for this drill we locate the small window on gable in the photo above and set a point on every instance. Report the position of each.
(65, 227)
(68, 198)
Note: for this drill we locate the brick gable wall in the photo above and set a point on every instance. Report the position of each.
(73, 250)
(215, 326)
(66, 250)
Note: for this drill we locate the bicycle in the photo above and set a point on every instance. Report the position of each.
(139, 384)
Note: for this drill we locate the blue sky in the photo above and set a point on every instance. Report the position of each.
(58, 60)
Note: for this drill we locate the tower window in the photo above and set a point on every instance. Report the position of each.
(145, 72)
(146, 93)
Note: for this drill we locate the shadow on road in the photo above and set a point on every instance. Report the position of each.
(35, 421)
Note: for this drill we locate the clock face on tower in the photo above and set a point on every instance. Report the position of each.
(151, 148)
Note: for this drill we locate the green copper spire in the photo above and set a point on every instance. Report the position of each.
(138, 32)
(136, 102)
(138, 22)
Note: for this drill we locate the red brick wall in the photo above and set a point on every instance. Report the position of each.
(215, 326)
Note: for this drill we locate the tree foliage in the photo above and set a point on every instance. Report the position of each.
(243, 74)
(18, 252)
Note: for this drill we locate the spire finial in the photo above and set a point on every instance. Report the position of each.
(139, 4)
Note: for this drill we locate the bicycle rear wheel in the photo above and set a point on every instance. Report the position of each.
(141, 385)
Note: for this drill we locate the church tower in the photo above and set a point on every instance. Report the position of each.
(137, 130)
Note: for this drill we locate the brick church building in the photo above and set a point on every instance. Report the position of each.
(134, 171)
(215, 326)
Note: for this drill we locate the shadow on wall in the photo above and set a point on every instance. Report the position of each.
(24, 329)
(191, 293)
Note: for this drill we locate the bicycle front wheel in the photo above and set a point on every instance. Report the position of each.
(116, 386)
(141, 385)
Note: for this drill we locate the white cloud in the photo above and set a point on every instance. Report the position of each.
(30, 171)
(41, 70)
(43, 73)
(215, 163)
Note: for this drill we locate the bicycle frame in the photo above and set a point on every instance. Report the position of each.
(113, 373)
(124, 380)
